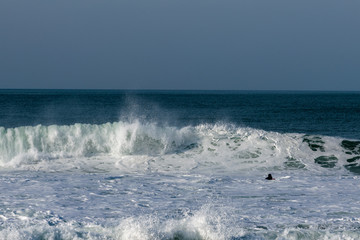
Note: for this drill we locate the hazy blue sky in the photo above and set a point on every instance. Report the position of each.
(180, 44)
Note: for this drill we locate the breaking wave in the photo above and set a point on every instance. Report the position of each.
(204, 224)
(139, 146)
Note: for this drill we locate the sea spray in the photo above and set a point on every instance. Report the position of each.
(33, 144)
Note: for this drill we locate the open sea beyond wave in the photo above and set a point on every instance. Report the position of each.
(171, 165)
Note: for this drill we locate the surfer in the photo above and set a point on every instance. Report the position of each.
(269, 177)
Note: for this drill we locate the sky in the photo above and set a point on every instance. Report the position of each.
(180, 44)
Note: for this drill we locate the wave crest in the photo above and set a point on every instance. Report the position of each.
(136, 146)
(86, 140)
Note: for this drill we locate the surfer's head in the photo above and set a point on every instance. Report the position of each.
(269, 177)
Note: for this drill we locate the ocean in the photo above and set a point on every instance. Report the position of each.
(172, 165)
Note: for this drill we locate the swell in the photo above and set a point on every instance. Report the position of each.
(139, 146)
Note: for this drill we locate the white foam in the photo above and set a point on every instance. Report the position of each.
(205, 224)
(158, 206)
(135, 146)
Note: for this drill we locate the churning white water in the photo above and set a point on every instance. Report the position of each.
(132, 180)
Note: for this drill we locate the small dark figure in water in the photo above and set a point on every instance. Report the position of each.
(269, 177)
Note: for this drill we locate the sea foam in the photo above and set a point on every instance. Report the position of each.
(136, 146)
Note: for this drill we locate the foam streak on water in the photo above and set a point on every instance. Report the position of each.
(133, 180)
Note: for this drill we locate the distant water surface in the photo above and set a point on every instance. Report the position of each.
(326, 113)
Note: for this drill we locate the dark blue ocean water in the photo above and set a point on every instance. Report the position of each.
(323, 113)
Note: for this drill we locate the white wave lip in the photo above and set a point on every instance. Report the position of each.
(132, 145)
(86, 140)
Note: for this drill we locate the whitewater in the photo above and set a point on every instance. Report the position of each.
(136, 147)
(143, 178)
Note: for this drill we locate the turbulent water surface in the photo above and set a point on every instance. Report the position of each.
(179, 165)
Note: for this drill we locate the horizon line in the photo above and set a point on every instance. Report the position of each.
(172, 90)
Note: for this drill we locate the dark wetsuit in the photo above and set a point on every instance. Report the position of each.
(269, 177)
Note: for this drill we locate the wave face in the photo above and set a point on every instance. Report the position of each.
(32, 144)
(142, 146)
